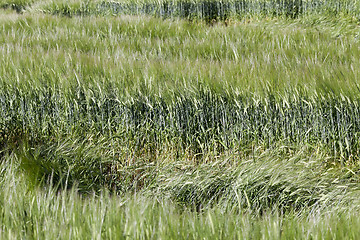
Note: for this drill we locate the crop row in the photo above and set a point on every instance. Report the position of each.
(211, 10)
(208, 10)
(201, 122)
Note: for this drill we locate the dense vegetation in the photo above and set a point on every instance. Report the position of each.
(179, 119)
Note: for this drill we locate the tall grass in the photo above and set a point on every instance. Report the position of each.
(208, 10)
(17, 5)
(250, 198)
(234, 91)
(162, 56)
(203, 122)
(138, 127)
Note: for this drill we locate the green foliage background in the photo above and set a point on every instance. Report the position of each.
(182, 119)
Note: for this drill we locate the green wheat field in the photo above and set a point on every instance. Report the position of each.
(180, 119)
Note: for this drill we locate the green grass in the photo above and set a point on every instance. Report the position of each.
(156, 56)
(17, 5)
(209, 11)
(199, 89)
(267, 196)
(121, 126)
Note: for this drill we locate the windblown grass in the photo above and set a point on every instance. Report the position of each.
(104, 76)
(267, 196)
(209, 11)
(138, 127)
